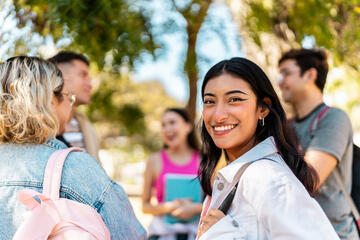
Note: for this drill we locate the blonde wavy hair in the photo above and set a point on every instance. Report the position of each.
(26, 112)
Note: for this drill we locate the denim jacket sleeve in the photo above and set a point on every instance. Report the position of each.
(83, 179)
(119, 216)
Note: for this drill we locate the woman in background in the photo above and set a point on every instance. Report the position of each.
(180, 156)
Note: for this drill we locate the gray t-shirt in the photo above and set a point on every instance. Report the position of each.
(333, 134)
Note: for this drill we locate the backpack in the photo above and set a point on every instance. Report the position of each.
(355, 190)
(58, 218)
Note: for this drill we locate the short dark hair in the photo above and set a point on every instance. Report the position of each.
(310, 58)
(276, 124)
(67, 57)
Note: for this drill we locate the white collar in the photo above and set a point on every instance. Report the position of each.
(260, 151)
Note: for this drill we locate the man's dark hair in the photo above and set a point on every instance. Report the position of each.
(310, 58)
(67, 57)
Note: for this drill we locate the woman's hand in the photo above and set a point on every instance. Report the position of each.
(186, 209)
(212, 217)
(171, 206)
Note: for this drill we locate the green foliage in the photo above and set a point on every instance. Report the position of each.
(98, 28)
(113, 32)
(132, 116)
(107, 105)
(333, 23)
(121, 107)
(194, 13)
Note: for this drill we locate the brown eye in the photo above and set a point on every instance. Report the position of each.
(208, 101)
(237, 99)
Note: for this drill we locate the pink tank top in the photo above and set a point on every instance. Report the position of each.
(169, 167)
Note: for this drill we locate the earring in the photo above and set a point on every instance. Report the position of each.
(262, 122)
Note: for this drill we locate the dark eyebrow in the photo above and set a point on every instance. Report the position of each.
(209, 94)
(236, 91)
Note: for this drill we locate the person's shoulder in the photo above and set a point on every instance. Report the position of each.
(268, 173)
(336, 118)
(77, 158)
(81, 117)
(154, 158)
(79, 114)
(154, 162)
(337, 113)
(83, 173)
(265, 178)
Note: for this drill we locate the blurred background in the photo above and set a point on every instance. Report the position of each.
(147, 55)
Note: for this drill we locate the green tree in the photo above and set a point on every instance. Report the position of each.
(194, 14)
(268, 28)
(121, 107)
(113, 32)
(333, 24)
(116, 31)
(186, 17)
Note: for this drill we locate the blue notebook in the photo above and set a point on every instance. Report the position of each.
(182, 186)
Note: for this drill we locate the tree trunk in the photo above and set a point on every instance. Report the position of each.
(192, 74)
(194, 21)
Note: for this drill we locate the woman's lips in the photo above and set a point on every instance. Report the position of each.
(223, 129)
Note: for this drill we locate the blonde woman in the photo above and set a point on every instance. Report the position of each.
(34, 107)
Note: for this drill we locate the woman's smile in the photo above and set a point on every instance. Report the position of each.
(230, 112)
(223, 128)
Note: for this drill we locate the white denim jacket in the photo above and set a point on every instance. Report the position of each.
(270, 202)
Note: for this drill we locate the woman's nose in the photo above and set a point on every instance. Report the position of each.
(220, 114)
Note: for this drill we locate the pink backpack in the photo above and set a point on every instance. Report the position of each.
(58, 218)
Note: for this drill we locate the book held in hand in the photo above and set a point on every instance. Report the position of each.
(181, 186)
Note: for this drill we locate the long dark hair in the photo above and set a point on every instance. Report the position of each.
(276, 124)
(192, 140)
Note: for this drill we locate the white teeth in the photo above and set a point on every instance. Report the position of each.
(224, 128)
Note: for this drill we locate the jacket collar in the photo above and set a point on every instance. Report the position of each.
(260, 151)
(54, 143)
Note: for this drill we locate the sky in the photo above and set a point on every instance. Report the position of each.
(218, 39)
(211, 48)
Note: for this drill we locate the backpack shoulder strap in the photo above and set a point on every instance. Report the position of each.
(225, 205)
(52, 177)
(348, 198)
(317, 119)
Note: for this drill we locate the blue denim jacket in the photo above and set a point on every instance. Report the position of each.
(83, 180)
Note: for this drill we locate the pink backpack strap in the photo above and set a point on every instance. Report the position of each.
(206, 209)
(26, 197)
(317, 119)
(52, 177)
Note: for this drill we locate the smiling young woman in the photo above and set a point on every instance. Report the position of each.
(243, 117)
(180, 156)
(231, 115)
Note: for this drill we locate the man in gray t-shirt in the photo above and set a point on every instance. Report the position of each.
(329, 144)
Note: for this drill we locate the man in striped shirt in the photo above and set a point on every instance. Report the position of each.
(79, 131)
